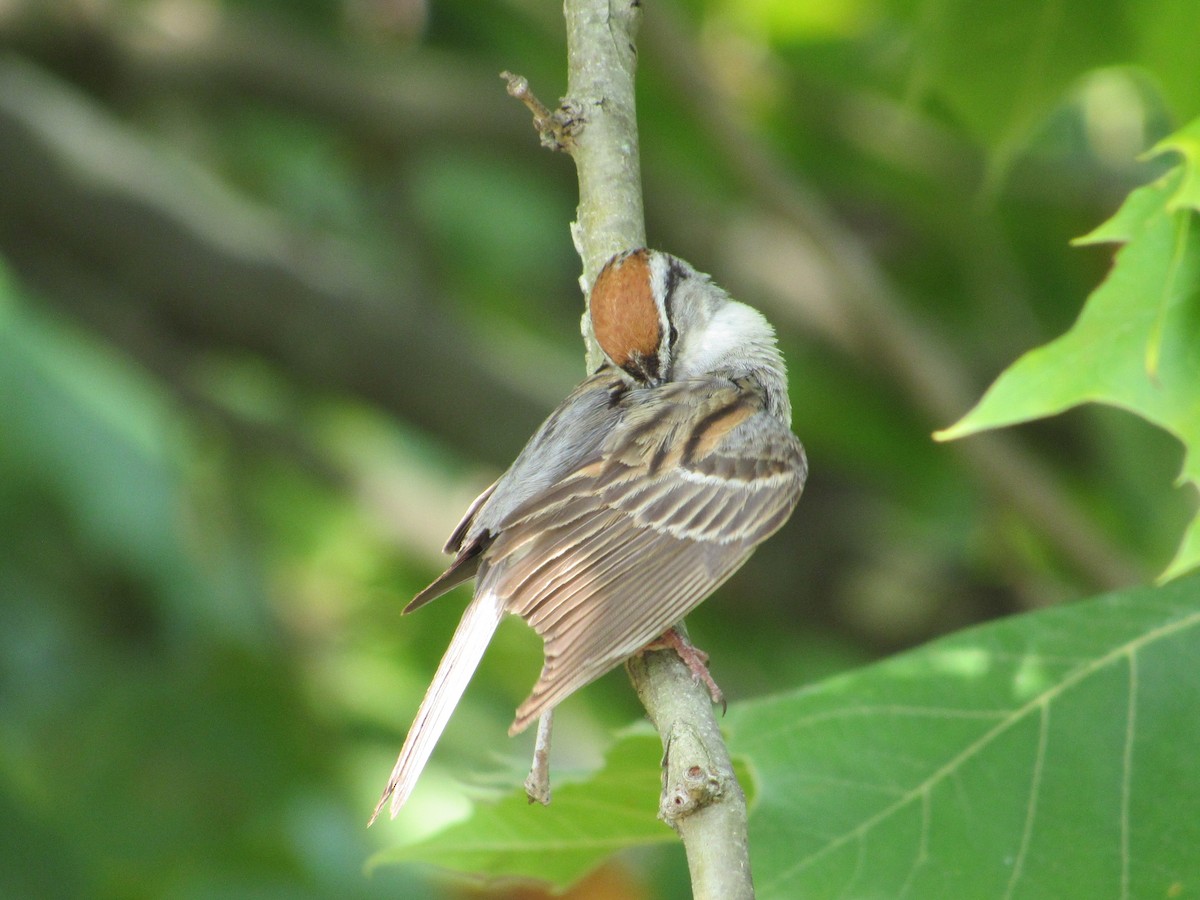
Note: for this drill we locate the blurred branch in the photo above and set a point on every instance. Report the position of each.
(701, 796)
(398, 102)
(132, 242)
(901, 346)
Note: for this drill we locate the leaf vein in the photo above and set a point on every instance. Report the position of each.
(1070, 680)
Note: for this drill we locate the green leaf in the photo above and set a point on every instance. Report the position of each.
(1049, 754)
(1185, 142)
(1135, 344)
(1045, 755)
(586, 823)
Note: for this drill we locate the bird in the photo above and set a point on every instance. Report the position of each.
(649, 486)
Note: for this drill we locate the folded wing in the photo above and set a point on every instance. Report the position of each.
(627, 544)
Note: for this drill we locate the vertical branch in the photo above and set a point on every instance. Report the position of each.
(601, 64)
(602, 60)
(701, 798)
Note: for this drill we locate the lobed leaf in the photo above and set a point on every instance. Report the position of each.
(1135, 345)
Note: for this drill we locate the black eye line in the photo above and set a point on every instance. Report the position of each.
(674, 275)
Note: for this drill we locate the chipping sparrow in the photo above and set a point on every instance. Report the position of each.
(648, 487)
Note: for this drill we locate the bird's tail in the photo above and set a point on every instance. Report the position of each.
(474, 632)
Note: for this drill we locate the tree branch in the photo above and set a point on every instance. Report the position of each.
(701, 796)
(601, 64)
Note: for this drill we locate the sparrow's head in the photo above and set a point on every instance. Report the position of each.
(630, 319)
(658, 319)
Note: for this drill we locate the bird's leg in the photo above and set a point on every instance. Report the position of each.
(693, 657)
(537, 785)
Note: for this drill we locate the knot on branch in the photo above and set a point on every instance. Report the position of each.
(691, 781)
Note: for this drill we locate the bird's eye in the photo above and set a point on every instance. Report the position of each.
(674, 335)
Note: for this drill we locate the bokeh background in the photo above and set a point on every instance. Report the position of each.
(284, 284)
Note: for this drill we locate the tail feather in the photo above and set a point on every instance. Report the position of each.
(462, 569)
(471, 638)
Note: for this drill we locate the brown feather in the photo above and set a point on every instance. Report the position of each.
(613, 555)
(632, 502)
(625, 318)
(462, 569)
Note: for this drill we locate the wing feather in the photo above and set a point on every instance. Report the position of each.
(601, 640)
(632, 540)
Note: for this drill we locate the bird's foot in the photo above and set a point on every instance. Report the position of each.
(693, 657)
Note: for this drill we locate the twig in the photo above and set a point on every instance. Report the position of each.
(557, 129)
(701, 797)
(601, 63)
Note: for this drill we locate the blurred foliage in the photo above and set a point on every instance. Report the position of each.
(255, 241)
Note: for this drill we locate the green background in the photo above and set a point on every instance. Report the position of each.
(283, 285)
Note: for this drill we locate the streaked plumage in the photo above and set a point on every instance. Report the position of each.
(649, 486)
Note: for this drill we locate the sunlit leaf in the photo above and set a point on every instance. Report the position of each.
(1135, 344)
(585, 824)
(1046, 755)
